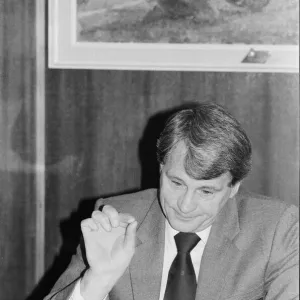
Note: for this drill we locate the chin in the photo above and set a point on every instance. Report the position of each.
(182, 226)
(191, 226)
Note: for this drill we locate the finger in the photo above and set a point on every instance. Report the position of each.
(101, 219)
(129, 240)
(88, 225)
(112, 215)
(125, 219)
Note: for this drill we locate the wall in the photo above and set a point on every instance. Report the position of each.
(17, 149)
(100, 128)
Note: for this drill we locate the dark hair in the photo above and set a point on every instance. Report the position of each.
(215, 141)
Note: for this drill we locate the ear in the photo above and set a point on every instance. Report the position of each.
(235, 189)
(160, 167)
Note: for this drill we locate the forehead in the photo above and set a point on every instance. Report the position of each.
(177, 155)
(175, 167)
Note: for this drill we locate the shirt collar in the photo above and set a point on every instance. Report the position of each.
(171, 232)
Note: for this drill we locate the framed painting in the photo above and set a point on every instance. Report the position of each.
(182, 35)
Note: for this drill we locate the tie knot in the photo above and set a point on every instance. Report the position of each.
(186, 241)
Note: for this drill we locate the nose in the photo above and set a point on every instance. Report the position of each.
(186, 203)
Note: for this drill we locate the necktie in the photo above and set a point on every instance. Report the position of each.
(182, 284)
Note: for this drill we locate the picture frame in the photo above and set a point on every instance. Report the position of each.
(64, 51)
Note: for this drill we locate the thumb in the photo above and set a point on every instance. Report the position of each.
(129, 240)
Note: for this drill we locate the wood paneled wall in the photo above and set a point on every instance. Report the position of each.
(100, 140)
(17, 149)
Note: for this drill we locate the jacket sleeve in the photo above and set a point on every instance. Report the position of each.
(64, 286)
(282, 272)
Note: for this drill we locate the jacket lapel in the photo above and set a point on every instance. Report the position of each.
(147, 262)
(219, 253)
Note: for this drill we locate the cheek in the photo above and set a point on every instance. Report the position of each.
(214, 207)
(168, 197)
(209, 209)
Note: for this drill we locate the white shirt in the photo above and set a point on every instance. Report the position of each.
(169, 254)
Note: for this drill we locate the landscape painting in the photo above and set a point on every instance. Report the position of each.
(192, 35)
(274, 22)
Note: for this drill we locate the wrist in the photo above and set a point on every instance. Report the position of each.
(95, 286)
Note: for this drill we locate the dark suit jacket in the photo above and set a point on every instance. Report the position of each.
(252, 252)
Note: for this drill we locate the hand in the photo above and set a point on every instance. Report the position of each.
(109, 239)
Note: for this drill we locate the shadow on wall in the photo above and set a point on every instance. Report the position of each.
(70, 227)
(147, 151)
(70, 233)
(147, 146)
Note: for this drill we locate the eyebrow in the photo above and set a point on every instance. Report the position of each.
(175, 177)
(208, 187)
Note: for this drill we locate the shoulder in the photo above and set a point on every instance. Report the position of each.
(266, 217)
(136, 204)
(259, 208)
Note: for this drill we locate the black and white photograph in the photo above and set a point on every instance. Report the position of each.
(149, 150)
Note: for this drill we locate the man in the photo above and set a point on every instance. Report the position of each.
(198, 237)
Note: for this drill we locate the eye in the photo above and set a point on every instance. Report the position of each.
(206, 192)
(177, 183)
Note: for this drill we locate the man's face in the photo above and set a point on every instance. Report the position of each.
(191, 205)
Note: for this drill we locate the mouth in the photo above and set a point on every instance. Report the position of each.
(181, 217)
